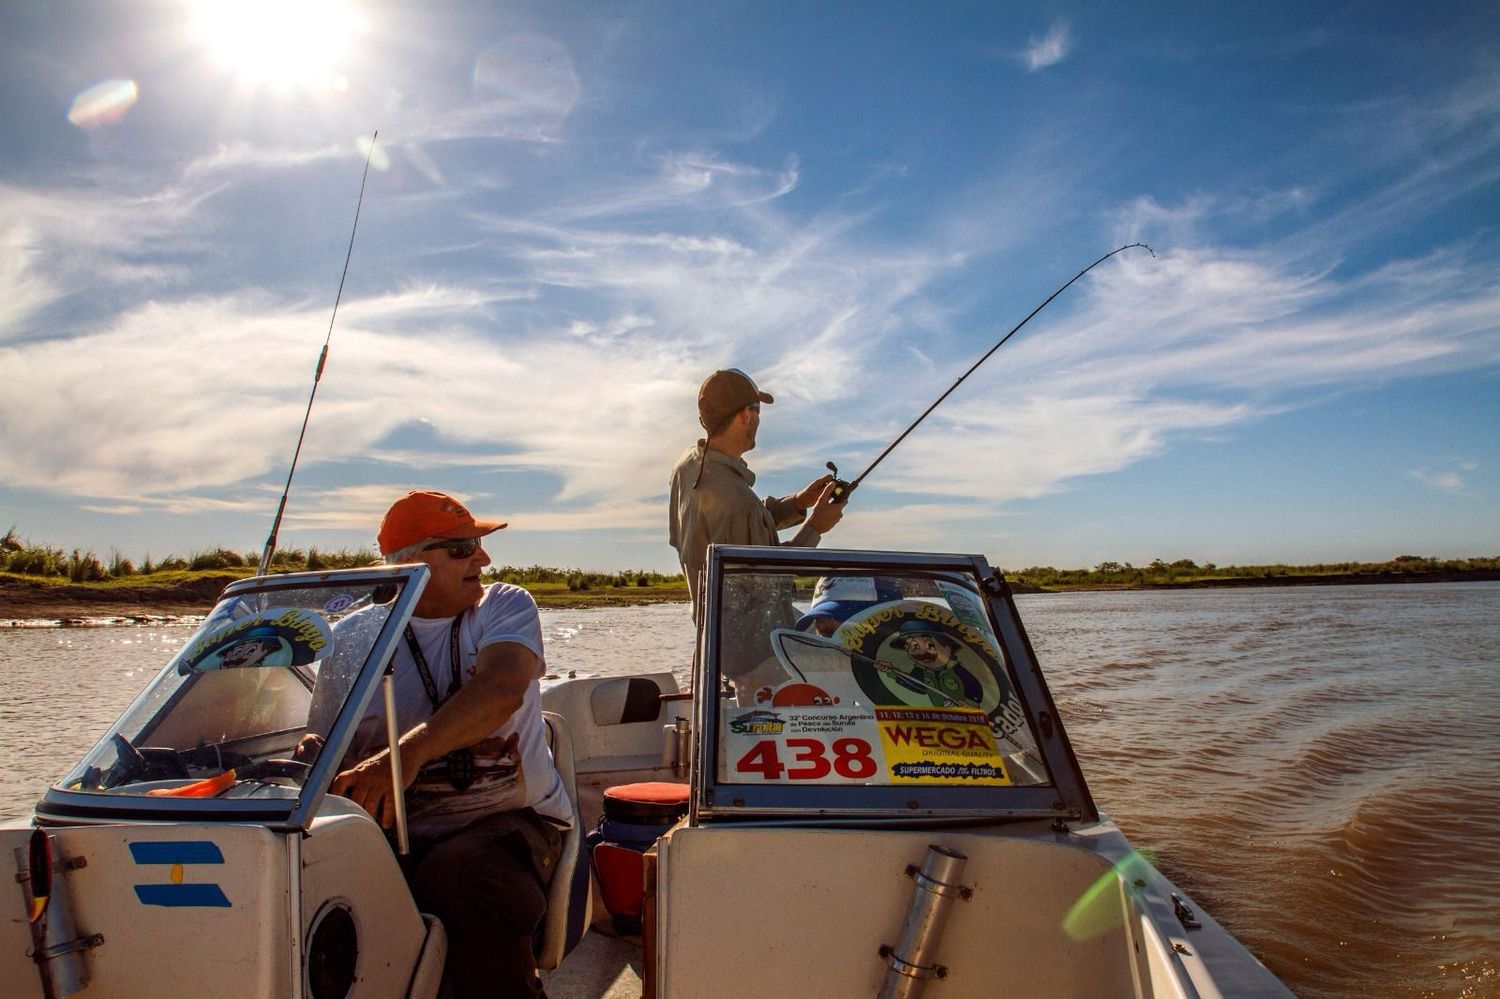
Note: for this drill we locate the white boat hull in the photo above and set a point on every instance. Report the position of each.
(227, 910)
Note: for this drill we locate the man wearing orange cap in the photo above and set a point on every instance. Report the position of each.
(486, 806)
(712, 501)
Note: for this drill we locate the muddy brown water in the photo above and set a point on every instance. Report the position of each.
(1319, 767)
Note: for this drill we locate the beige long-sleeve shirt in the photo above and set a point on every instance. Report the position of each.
(723, 509)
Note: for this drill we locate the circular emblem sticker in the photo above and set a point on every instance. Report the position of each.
(915, 653)
(339, 604)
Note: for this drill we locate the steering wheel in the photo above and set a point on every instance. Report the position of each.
(146, 762)
(130, 762)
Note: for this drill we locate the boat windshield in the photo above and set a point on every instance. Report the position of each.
(857, 679)
(251, 705)
(873, 684)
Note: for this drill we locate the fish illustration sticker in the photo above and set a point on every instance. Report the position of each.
(280, 636)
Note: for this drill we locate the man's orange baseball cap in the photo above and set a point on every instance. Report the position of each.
(422, 514)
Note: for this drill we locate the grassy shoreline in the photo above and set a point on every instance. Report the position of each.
(186, 593)
(180, 593)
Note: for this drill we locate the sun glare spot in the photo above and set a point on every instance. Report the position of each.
(104, 103)
(279, 43)
(378, 158)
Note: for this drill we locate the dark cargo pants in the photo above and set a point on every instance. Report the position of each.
(488, 882)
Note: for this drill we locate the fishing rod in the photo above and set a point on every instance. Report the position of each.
(842, 489)
(270, 549)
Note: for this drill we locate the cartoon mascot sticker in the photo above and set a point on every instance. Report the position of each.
(912, 653)
(281, 636)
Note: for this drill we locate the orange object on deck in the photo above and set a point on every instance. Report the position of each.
(206, 788)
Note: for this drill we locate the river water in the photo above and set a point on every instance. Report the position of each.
(1318, 766)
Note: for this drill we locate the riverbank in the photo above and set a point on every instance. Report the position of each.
(36, 602)
(1319, 579)
(40, 602)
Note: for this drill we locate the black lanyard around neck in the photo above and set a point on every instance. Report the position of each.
(455, 667)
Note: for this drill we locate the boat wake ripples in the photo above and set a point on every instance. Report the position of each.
(1316, 765)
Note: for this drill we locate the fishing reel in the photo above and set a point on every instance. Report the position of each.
(841, 488)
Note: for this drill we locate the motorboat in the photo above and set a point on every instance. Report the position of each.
(866, 789)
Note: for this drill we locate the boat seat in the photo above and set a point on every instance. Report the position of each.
(568, 901)
(625, 700)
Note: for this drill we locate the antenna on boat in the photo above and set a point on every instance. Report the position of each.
(843, 489)
(270, 549)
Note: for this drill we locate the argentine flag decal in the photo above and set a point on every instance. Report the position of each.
(179, 854)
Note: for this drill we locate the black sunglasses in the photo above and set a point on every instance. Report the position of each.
(456, 548)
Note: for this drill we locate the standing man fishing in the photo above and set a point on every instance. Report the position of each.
(711, 497)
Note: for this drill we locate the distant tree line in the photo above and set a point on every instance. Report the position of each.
(24, 558)
(533, 576)
(1185, 570)
(78, 566)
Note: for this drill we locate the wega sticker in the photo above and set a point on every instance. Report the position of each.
(951, 746)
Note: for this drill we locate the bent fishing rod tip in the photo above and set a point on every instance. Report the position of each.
(845, 488)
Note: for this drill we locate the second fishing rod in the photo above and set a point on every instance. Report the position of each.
(842, 489)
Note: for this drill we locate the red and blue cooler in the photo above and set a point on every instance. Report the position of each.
(635, 815)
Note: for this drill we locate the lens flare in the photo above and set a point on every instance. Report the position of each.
(1100, 908)
(104, 103)
(376, 155)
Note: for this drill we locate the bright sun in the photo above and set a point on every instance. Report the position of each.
(278, 43)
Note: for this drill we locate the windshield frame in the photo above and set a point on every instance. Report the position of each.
(297, 812)
(1066, 797)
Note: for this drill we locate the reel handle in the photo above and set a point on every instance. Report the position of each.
(841, 487)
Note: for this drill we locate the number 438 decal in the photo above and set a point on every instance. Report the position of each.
(851, 760)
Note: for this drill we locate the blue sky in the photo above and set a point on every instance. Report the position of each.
(576, 211)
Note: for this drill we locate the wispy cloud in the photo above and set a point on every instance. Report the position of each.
(74, 243)
(598, 398)
(233, 159)
(24, 289)
(1449, 477)
(1156, 351)
(1050, 49)
(700, 180)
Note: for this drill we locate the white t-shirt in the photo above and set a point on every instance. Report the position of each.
(513, 767)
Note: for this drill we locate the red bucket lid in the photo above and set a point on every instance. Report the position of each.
(651, 792)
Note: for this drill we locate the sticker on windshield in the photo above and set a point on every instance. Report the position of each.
(912, 653)
(822, 743)
(280, 636)
(339, 604)
(940, 746)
